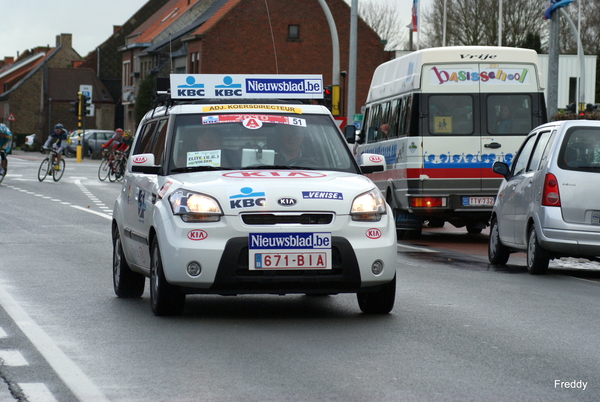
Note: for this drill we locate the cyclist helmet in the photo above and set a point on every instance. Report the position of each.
(58, 127)
(3, 129)
(127, 133)
(119, 130)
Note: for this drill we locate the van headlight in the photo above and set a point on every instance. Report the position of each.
(368, 207)
(195, 207)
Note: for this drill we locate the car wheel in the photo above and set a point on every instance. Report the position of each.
(537, 258)
(126, 283)
(497, 253)
(166, 299)
(378, 302)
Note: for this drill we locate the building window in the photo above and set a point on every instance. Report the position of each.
(293, 33)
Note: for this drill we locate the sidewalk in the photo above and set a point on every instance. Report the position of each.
(38, 156)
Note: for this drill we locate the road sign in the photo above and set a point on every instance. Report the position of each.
(11, 117)
(340, 121)
(87, 91)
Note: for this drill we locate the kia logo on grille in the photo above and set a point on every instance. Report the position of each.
(197, 234)
(287, 201)
(373, 233)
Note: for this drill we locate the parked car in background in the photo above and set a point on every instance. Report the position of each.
(549, 201)
(92, 141)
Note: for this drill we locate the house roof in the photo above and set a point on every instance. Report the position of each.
(63, 84)
(15, 72)
(215, 17)
(173, 21)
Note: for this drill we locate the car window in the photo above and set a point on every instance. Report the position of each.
(143, 145)
(580, 149)
(540, 148)
(522, 159)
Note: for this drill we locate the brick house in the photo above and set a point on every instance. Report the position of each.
(245, 37)
(38, 87)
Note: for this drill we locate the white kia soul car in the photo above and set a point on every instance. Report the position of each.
(230, 191)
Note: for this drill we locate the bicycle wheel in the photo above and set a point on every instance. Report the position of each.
(57, 174)
(44, 169)
(103, 170)
(112, 172)
(5, 167)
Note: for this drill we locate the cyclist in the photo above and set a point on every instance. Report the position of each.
(5, 143)
(126, 142)
(59, 135)
(116, 138)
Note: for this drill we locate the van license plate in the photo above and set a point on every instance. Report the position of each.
(478, 201)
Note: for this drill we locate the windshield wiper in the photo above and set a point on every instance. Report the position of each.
(197, 169)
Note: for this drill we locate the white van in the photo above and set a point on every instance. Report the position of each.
(442, 117)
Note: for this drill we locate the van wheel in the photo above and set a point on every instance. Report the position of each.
(537, 258)
(472, 229)
(379, 302)
(166, 299)
(497, 253)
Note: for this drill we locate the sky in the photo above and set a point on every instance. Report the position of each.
(27, 24)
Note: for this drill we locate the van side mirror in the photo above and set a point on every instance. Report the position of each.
(144, 163)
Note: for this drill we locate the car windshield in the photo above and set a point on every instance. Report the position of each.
(258, 141)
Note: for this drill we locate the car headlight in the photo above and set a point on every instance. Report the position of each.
(368, 207)
(195, 207)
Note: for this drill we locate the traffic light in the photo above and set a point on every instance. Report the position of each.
(75, 106)
(590, 108)
(572, 108)
(85, 102)
(327, 96)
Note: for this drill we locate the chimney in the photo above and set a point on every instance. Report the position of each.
(64, 40)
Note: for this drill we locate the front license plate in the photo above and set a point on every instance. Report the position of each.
(478, 201)
(289, 251)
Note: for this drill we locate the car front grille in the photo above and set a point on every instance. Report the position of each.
(282, 219)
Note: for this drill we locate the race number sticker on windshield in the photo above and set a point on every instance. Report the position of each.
(289, 251)
(253, 121)
(204, 158)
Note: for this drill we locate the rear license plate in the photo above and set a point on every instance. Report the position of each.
(478, 201)
(289, 251)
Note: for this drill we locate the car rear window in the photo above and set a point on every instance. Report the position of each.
(580, 149)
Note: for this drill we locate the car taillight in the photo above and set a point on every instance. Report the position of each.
(550, 196)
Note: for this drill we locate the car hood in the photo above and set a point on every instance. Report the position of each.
(240, 191)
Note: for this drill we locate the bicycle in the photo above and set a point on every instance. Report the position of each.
(46, 168)
(112, 166)
(4, 164)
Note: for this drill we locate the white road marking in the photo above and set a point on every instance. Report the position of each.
(37, 392)
(12, 358)
(74, 378)
(413, 248)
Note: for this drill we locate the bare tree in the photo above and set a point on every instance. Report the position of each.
(475, 22)
(384, 19)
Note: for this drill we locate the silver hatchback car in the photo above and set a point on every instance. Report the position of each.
(549, 201)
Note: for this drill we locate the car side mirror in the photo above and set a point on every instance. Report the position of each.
(350, 134)
(144, 163)
(502, 169)
(371, 163)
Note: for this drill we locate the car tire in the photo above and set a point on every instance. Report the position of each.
(166, 299)
(537, 258)
(380, 301)
(498, 254)
(472, 229)
(126, 283)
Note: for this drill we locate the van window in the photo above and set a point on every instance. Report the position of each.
(450, 114)
(509, 114)
(143, 145)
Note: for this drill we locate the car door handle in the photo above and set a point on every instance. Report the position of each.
(493, 145)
